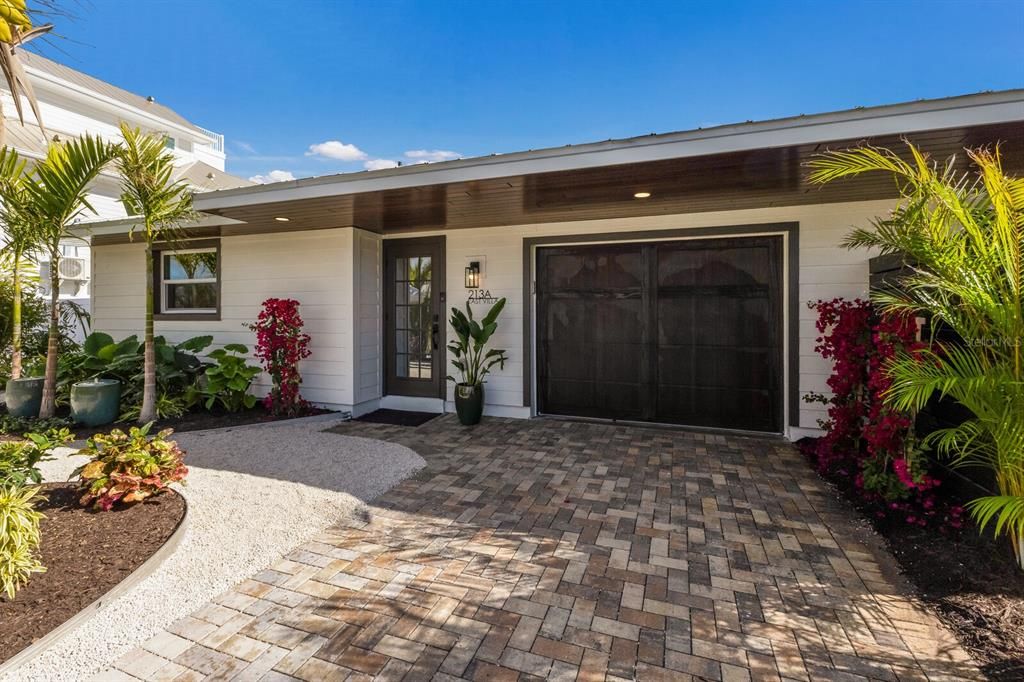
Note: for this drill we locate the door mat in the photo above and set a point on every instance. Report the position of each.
(397, 417)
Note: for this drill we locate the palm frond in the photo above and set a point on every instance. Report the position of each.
(147, 188)
(961, 235)
(1007, 512)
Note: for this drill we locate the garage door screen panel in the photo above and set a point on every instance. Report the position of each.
(718, 342)
(592, 341)
(685, 332)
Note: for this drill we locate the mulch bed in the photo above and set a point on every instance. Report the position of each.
(199, 420)
(191, 421)
(86, 553)
(970, 580)
(976, 588)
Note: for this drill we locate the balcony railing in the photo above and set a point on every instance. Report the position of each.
(218, 139)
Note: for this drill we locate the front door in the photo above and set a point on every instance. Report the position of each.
(413, 322)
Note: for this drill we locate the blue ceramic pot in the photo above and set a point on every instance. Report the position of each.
(95, 402)
(24, 396)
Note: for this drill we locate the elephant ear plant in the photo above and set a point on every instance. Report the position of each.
(473, 359)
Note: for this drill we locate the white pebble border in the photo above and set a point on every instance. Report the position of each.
(254, 493)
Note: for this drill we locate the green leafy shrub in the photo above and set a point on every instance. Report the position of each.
(128, 467)
(177, 365)
(226, 382)
(19, 460)
(11, 425)
(167, 407)
(469, 349)
(19, 537)
(34, 317)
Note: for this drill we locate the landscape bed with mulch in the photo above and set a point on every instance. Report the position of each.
(970, 580)
(86, 553)
(976, 588)
(190, 421)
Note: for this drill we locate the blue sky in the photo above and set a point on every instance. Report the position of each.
(319, 86)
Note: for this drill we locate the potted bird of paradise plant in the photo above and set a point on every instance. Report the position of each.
(473, 359)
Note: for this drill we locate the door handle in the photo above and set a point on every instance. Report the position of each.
(434, 332)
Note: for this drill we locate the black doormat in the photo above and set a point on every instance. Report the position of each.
(397, 417)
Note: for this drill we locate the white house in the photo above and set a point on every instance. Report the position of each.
(661, 278)
(72, 103)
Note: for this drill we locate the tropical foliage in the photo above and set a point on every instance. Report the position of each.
(470, 354)
(16, 30)
(23, 318)
(11, 425)
(128, 467)
(226, 382)
(21, 239)
(55, 196)
(161, 204)
(962, 236)
(19, 537)
(177, 366)
(19, 460)
(281, 345)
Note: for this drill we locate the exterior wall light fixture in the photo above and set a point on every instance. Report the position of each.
(473, 275)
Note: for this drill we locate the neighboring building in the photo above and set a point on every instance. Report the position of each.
(72, 103)
(662, 278)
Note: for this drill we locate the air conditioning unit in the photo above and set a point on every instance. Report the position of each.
(74, 268)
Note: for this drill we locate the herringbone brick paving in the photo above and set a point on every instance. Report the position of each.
(539, 549)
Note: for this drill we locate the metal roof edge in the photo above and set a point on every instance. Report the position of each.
(971, 109)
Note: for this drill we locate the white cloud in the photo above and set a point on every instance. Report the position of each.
(244, 146)
(273, 176)
(335, 149)
(431, 155)
(380, 164)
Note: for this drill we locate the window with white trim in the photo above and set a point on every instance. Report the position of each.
(188, 281)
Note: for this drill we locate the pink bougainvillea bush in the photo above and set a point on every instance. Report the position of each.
(280, 345)
(868, 445)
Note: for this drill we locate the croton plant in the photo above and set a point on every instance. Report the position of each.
(129, 467)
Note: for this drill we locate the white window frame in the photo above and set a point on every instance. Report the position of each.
(201, 280)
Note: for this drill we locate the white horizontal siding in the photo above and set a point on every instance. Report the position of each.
(311, 267)
(368, 356)
(336, 274)
(826, 271)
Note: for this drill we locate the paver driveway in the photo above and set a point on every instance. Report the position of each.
(566, 550)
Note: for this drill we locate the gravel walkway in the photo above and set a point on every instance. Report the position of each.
(254, 493)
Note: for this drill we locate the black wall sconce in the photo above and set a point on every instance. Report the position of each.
(473, 275)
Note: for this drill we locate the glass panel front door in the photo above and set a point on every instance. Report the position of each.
(414, 329)
(414, 318)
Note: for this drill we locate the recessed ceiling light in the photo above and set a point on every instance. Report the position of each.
(642, 195)
(281, 220)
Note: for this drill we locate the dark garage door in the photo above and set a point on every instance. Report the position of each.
(683, 332)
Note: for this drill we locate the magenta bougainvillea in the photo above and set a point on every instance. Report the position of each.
(867, 441)
(280, 345)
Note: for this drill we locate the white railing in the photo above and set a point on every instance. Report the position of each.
(218, 139)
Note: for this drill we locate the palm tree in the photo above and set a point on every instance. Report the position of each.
(149, 193)
(21, 238)
(962, 234)
(56, 197)
(15, 31)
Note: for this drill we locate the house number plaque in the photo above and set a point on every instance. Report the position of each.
(481, 296)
